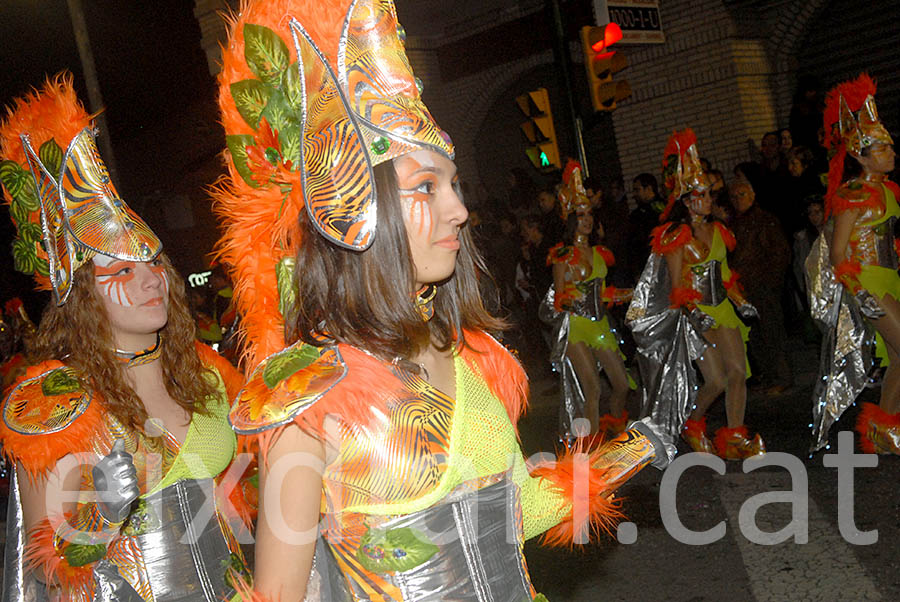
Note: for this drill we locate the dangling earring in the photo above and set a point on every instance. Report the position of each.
(425, 301)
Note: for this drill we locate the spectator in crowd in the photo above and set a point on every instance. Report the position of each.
(785, 142)
(721, 207)
(761, 257)
(641, 222)
(804, 238)
(803, 185)
(549, 214)
(613, 214)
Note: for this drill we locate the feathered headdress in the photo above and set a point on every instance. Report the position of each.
(682, 172)
(572, 195)
(851, 125)
(60, 197)
(313, 94)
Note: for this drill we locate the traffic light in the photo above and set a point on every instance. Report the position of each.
(601, 63)
(543, 150)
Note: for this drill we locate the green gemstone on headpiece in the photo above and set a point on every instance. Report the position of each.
(380, 145)
(145, 250)
(79, 255)
(401, 33)
(419, 85)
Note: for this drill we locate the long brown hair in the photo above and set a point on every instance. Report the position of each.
(78, 333)
(366, 299)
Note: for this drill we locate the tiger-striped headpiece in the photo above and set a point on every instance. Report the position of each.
(60, 196)
(313, 95)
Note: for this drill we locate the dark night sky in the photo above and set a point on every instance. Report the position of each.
(157, 90)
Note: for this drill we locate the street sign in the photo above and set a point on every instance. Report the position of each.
(639, 19)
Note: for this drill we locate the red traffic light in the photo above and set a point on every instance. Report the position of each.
(611, 33)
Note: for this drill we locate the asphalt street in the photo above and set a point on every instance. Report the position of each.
(744, 564)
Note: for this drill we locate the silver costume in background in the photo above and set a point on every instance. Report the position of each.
(848, 340)
(667, 343)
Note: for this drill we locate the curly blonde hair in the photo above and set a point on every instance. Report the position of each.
(79, 334)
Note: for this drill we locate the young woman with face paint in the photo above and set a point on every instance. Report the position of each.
(692, 249)
(122, 407)
(384, 411)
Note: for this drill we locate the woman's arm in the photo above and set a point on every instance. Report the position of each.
(845, 270)
(840, 238)
(673, 261)
(290, 482)
(561, 296)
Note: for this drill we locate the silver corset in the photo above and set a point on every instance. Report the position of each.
(179, 535)
(478, 557)
(589, 305)
(185, 551)
(706, 279)
(884, 243)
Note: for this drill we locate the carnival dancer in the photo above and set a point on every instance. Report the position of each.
(854, 287)
(684, 310)
(122, 407)
(392, 415)
(586, 337)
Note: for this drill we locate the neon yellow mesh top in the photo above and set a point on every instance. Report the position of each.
(487, 440)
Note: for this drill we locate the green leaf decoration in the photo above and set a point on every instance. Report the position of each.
(265, 52)
(537, 598)
(288, 362)
(287, 295)
(24, 256)
(250, 97)
(81, 554)
(51, 156)
(237, 146)
(28, 195)
(13, 177)
(59, 382)
(143, 519)
(290, 139)
(41, 266)
(234, 567)
(293, 87)
(18, 212)
(394, 550)
(278, 113)
(30, 232)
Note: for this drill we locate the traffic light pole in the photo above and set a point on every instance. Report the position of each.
(561, 58)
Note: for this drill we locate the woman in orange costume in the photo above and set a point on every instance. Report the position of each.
(122, 407)
(579, 272)
(695, 249)
(384, 411)
(862, 245)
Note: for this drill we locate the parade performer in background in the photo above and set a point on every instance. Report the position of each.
(586, 335)
(122, 407)
(853, 285)
(683, 310)
(390, 415)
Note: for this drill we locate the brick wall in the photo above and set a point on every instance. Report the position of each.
(706, 77)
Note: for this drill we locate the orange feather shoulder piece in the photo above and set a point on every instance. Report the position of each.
(48, 414)
(669, 237)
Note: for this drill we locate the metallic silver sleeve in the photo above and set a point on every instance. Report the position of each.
(847, 342)
(17, 586)
(667, 343)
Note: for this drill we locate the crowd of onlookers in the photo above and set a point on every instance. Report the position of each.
(774, 206)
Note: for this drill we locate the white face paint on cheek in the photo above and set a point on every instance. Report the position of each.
(113, 285)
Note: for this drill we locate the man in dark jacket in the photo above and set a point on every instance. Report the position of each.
(761, 258)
